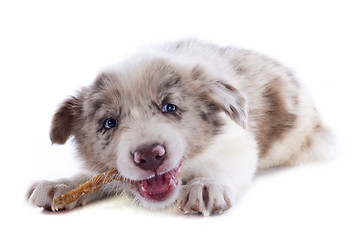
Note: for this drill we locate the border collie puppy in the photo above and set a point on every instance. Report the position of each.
(187, 122)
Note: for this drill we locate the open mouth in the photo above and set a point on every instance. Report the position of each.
(159, 187)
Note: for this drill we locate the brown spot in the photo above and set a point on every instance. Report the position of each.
(205, 195)
(210, 115)
(203, 116)
(277, 120)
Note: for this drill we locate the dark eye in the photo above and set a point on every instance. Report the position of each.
(110, 123)
(168, 108)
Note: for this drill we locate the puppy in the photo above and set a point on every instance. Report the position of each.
(186, 122)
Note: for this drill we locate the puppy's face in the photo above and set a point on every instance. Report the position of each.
(145, 122)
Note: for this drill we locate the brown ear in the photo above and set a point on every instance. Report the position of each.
(230, 100)
(63, 121)
(224, 95)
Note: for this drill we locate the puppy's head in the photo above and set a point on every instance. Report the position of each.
(145, 121)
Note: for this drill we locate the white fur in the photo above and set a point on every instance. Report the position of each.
(223, 161)
(230, 163)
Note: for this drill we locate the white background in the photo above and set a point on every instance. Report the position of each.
(48, 49)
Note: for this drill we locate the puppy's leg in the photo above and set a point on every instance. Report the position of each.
(42, 194)
(217, 177)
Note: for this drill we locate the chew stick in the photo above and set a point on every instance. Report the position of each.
(91, 185)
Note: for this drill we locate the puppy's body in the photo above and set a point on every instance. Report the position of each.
(187, 121)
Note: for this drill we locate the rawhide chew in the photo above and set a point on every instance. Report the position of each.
(91, 185)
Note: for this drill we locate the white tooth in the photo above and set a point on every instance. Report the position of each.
(172, 182)
(142, 188)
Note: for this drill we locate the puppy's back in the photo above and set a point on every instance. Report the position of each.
(284, 121)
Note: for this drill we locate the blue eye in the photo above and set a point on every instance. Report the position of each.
(110, 123)
(168, 108)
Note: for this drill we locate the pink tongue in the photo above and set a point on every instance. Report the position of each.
(159, 187)
(158, 184)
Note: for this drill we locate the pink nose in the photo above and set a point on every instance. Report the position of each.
(150, 157)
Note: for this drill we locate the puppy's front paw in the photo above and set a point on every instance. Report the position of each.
(205, 196)
(43, 194)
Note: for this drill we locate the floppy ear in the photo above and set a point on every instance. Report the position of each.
(64, 120)
(224, 95)
(230, 100)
